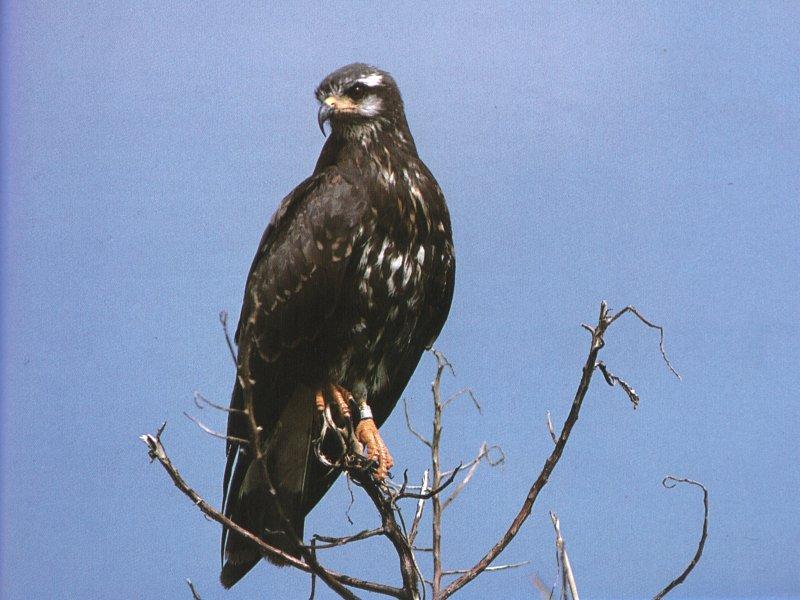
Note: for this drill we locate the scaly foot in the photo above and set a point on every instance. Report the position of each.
(338, 394)
(367, 434)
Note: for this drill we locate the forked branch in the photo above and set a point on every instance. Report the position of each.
(597, 342)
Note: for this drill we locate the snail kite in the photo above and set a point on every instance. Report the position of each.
(351, 282)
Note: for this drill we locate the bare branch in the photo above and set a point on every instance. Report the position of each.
(223, 320)
(633, 310)
(568, 579)
(313, 591)
(483, 452)
(195, 593)
(211, 432)
(550, 428)
(463, 392)
(670, 482)
(492, 462)
(333, 542)
(490, 569)
(612, 380)
(597, 343)
(432, 493)
(545, 592)
(436, 471)
(200, 400)
(411, 427)
(412, 534)
(157, 452)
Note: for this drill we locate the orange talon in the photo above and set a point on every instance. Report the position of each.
(367, 434)
(340, 396)
(319, 401)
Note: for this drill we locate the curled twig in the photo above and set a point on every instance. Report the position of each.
(670, 482)
(613, 380)
(471, 467)
(597, 342)
(632, 309)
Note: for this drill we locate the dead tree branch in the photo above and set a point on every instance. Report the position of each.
(195, 593)
(385, 496)
(436, 471)
(670, 482)
(597, 342)
(567, 577)
(157, 452)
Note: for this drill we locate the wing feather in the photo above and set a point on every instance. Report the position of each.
(292, 290)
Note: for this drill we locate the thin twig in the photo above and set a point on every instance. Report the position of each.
(313, 591)
(211, 432)
(568, 578)
(431, 493)
(491, 569)
(639, 315)
(412, 534)
(157, 452)
(550, 428)
(333, 542)
(492, 462)
(257, 450)
(613, 380)
(670, 482)
(223, 320)
(484, 450)
(436, 471)
(464, 392)
(195, 593)
(597, 343)
(411, 427)
(200, 400)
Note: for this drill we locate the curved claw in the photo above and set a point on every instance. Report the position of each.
(367, 434)
(338, 394)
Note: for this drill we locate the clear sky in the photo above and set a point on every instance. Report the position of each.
(640, 153)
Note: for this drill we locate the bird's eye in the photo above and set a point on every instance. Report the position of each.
(357, 91)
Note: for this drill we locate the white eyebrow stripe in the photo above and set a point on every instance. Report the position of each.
(372, 80)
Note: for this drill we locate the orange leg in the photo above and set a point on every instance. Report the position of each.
(366, 430)
(367, 434)
(338, 394)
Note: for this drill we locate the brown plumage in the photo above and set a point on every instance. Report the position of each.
(352, 280)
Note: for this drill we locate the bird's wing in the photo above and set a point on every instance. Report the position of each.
(292, 289)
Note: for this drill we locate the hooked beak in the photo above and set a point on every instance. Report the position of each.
(325, 113)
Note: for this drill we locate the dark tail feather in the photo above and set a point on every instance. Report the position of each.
(246, 497)
(233, 572)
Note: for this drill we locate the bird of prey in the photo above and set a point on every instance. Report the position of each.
(352, 281)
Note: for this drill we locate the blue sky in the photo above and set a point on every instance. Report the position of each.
(643, 153)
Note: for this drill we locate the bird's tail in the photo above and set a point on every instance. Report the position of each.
(252, 507)
(247, 500)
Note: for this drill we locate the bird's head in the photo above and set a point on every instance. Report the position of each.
(359, 95)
